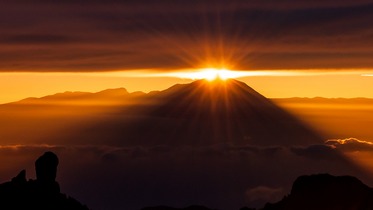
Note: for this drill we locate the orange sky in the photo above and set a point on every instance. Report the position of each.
(97, 38)
(16, 86)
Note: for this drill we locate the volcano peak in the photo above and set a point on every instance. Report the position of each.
(205, 112)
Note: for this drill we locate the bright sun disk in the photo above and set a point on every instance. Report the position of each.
(211, 74)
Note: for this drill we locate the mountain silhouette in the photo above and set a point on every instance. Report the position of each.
(198, 113)
(205, 113)
(42, 193)
(326, 192)
(108, 96)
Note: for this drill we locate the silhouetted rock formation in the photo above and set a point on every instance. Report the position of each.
(46, 167)
(42, 193)
(326, 192)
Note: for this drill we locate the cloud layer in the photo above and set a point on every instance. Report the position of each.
(134, 177)
(350, 145)
(115, 35)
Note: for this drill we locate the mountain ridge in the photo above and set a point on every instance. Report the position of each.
(75, 94)
(201, 113)
(117, 95)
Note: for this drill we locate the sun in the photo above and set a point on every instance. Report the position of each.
(212, 74)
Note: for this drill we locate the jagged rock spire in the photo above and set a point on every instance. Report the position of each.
(46, 167)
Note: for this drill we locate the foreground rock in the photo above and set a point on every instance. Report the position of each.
(42, 193)
(321, 192)
(326, 192)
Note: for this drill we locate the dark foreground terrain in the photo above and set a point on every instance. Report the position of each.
(321, 192)
(42, 193)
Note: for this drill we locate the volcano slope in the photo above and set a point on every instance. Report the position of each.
(205, 113)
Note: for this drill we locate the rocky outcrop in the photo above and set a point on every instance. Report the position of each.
(42, 193)
(326, 192)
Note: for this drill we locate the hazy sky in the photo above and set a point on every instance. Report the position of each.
(172, 35)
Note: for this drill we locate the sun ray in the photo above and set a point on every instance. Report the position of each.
(211, 74)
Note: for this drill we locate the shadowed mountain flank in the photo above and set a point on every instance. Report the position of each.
(198, 113)
(206, 113)
(326, 192)
(42, 193)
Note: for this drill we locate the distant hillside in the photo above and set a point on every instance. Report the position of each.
(104, 97)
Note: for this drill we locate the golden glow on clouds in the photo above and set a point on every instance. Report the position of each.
(201, 73)
(224, 73)
(219, 73)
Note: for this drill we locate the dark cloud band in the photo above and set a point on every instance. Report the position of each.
(119, 35)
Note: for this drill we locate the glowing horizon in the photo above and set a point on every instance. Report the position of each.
(210, 74)
(271, 83)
